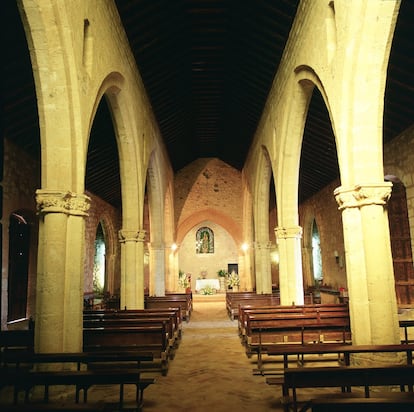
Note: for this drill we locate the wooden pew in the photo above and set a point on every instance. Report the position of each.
(264, 329)
(246, 310)
(149, 338)
(182, 301)
(188, 295)
(57, 407)
(386, 403)
(175, 313)
(405, 324)
(341, 377)
(13, 359)
(24, 380)
(343, 352)
(165, 322)
(18, 341)
(234, 299)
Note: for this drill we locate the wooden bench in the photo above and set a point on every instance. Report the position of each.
(57, 406)
(405, 324)
(386, 403)
(131, 358)
(149, 338)
(18, 341)
(106, 360)
(245, 310)
(341, 377)
(25, 380)
(174, 313)
(234, 299)
(342, 351)
(266, 329)
(182, 301)
(164, 322)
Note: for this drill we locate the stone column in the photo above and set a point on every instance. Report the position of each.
(60, 277)
(132, 268)
(157, 269)
(370, 275)
(290, 265)
(263, 269)
(172, 268)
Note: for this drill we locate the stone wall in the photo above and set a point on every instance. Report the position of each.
(208, 192)
(208, 184)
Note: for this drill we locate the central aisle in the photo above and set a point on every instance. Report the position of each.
(210, 371)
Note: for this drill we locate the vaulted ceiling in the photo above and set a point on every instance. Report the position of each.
(207, 66)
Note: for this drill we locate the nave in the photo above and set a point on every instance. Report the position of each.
(210, 370)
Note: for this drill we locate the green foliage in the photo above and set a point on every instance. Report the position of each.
(222, 273)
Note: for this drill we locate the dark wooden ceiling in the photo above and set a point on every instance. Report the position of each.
(207, 66)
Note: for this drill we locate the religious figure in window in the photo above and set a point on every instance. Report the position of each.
(204, 240)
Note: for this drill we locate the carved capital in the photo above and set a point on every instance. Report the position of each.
(363, 195)
(54, 201)
(288, 232)
(126, 235)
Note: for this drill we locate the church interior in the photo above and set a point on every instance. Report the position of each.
(203, 156)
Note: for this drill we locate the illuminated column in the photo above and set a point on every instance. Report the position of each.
(110, 271)
(132, 268)
(290, 265)
(370, 275)
(157, 269)
(60, 274)
(246, 272)
(263, 269)
(172, 268)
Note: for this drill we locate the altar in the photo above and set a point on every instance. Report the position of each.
(203, 283)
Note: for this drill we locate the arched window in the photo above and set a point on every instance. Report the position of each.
(204, 240)
(99, 261)
(19, 243)
(316, 253)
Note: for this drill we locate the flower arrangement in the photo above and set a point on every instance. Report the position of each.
(207, 290)
(183, 280)
(233, 279)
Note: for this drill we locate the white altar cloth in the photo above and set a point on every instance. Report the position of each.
(202, 283)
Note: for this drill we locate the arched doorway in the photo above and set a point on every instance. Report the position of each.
(401, 244)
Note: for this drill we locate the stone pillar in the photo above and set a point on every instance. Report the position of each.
(110, 271)
(246, 271)
(370, 275)
(132, 268)
(290, 265)
(60, 277)
(157, 269)
(172, 268)
(263, 269)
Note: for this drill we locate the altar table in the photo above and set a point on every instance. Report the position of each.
(202, 283)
